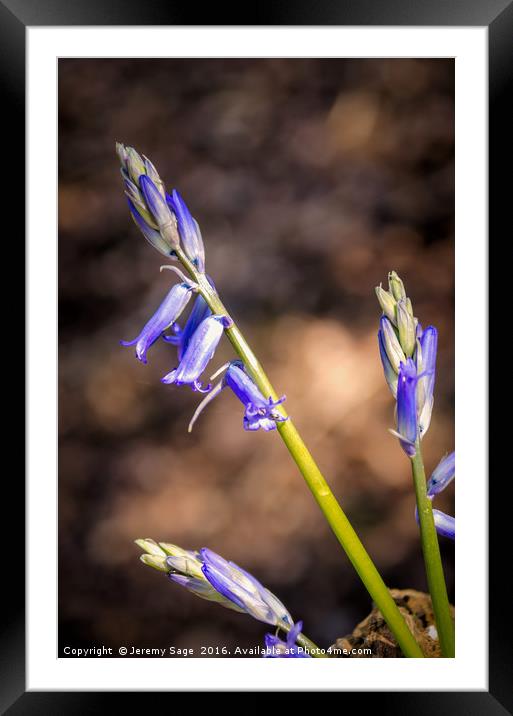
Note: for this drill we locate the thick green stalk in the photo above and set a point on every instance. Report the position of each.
(432, 558)
(315, 480)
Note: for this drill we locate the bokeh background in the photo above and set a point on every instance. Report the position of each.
(311, 179)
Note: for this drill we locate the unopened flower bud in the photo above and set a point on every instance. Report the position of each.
(122, 154)
(150, 546)
(406, 328)
(160, 211)
(396, 286)
(387, 303)
(154, 176)
(391, 343)
(151, 560)
(134, 164)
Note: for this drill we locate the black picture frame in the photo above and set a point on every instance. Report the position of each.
(497, 15)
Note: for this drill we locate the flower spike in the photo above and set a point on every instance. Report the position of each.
(147, 200)
(209, 576)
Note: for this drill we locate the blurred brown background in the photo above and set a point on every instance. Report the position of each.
(310, 179)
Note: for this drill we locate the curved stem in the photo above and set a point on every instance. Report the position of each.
(314, 478)
(432, 558)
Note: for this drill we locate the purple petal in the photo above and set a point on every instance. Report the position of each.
(154, 201)
(407, 406)
(222, 584)
(442, 475)
(151, 235)
(445, 524)
(390, 374)
(429, 343)
(165, 315)
(200, 311)
(200, 351)
(188, 230)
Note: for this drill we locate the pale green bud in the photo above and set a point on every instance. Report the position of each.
(154, 176)
(391, 344)
(396, 286)
(173, 550)
(183, 560)
(122, 154)
(387, 303)
(134, 164)
(135, 198)
(186, 564)
(406, 328)
(169, 232)
(152, 560)
(150, 546)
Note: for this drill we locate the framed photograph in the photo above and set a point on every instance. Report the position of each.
(257, 337)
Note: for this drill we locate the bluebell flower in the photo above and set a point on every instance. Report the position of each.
(442, 475)
(425, 358)
(390, 374)
(182, 337)
(164, 317)
(189, 230)
(278, 649)
(242, 589)
(199, 352)
(407, 425)
(259, 412)
(445, 524)
(401, 336)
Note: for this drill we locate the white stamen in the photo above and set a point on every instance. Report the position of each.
(206, 400)
(195, 287)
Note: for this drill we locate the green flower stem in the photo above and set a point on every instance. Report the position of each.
(432, 558)
(305, 642)
(315, 480)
